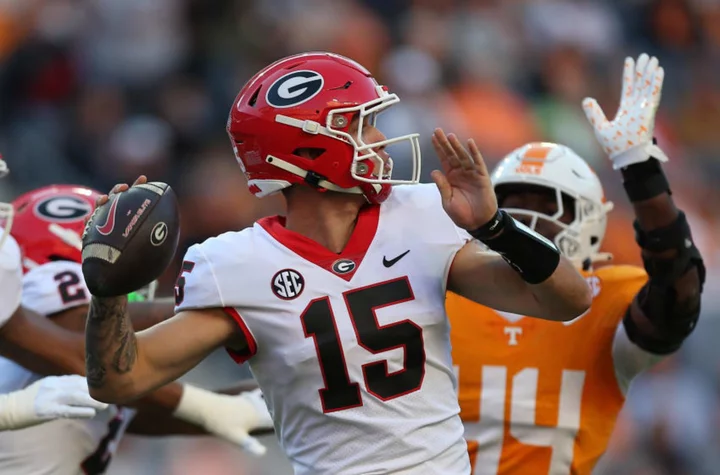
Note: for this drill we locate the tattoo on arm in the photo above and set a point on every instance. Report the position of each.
(110, 341)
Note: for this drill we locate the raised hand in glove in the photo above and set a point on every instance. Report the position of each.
(628, 138)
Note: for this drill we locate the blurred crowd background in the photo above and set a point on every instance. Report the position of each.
(98, 91)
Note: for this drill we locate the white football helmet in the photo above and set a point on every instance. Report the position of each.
(560, 169)
(6, 209)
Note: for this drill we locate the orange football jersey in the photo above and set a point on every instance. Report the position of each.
(540, 397)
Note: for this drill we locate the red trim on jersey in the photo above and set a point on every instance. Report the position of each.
(241, 357)
(355, 250)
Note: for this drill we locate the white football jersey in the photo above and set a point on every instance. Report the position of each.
(351, 350)
(10, 278)
(60, 447)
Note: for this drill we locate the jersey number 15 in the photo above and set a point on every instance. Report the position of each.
(319, 323)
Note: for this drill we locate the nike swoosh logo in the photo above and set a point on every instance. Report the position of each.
(109, 225)
(392, 262)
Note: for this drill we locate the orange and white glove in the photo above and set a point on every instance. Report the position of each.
(628, 138)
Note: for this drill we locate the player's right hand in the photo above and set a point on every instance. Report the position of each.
(101, 200)
(54, 397)
(119, 188)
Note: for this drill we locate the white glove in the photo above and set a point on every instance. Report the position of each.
(229, 417)
(628, 138)
(49, 398)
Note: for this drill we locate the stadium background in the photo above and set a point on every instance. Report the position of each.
(97, 91)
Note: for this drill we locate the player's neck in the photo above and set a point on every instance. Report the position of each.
(326, 218)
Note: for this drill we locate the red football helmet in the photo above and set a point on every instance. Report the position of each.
(308, 101)
(49, 223)
(6, 209)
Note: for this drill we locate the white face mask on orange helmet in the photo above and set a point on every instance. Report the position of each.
(6, 209)
(560, 169)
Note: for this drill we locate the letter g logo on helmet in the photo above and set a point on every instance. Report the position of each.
(294, 88)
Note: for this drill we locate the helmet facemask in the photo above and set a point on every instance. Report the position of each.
(367, 165)
(364, 153)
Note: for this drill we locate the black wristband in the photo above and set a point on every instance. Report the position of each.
(491, 228)
(531, 255)
(645, 180)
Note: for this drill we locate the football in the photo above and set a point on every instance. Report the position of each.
(130, 240)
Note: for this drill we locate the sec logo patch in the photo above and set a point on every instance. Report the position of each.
(287, 284)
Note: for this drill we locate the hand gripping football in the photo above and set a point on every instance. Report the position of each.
(130, 240)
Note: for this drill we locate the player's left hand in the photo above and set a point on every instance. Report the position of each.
(628, 138)
(467, 193)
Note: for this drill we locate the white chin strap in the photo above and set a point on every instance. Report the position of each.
(295, 170)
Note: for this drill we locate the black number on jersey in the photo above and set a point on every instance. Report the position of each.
(319, 323)
(187, 267)
(70, 288)
(97, 462)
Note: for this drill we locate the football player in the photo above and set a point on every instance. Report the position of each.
(48, 398)
(543, 398)
(339, 306)
(47, 227)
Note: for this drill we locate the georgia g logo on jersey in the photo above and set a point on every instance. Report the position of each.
(287, 284)
(63, 209)
(294, 88)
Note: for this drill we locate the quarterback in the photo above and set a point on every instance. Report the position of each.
(47, 226)
(48, 398)
(339, 306)
(543, 398)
